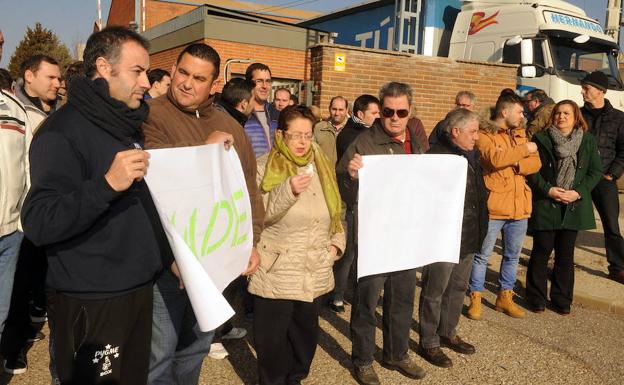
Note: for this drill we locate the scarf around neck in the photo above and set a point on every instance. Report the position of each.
(565, 148)
(93, 100)
(282, 163)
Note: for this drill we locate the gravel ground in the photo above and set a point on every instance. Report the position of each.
(583, 348)
(539, 349)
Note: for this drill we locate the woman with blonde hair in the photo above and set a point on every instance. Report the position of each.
(562, 203)
(302, 238)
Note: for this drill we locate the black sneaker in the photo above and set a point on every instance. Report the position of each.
(37, 314)
(15, 365)
(337, 307)
(35, 336)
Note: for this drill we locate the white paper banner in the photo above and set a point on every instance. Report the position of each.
(203, 203)
(410, 211)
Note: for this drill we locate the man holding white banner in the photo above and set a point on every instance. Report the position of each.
(186, 116)
(443, 283)
(389, 135)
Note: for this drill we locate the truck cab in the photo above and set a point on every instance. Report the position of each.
(566, 45)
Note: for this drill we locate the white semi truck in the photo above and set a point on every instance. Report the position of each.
(555, 43)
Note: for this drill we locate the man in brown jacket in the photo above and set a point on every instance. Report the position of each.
(540, 107)
(507, 158)
(186, 116)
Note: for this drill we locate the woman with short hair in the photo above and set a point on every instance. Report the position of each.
(302, 238)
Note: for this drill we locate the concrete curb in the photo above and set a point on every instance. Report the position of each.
(592, 302)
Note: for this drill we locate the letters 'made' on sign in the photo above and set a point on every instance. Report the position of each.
(202, 199)
(410, 211)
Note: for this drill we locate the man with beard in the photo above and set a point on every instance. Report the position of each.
(263, 121)
(92, 211)
(507, 158)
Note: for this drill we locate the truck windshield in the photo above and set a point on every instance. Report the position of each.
(574, 60)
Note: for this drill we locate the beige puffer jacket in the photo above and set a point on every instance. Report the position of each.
(295, 262)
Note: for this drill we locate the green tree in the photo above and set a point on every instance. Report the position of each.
(39, 41)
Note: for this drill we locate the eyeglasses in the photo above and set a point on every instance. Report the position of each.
(463, 105)
(298, 136)
(260, 82)
(389, 112)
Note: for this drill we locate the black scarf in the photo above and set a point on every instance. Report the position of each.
(93, 100)
(236, 114)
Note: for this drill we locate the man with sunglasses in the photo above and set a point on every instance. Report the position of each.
(389, 135)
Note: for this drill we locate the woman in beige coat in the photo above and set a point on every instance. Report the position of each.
(301, 240)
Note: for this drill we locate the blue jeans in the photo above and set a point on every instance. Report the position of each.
(178, 346)
(514, 232)
(9, 250)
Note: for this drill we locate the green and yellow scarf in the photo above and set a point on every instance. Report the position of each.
(282, 164)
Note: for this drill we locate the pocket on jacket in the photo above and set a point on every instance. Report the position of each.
(268, 257)
(498, 184)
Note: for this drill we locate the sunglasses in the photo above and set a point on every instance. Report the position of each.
(389, 112)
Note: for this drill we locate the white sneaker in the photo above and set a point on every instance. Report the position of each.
(235, 334)
(217, 351)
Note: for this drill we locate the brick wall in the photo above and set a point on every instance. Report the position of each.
(284, 63)
(434, 80)
(157, 12)
(121, 13)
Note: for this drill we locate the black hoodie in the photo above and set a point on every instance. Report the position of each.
(100, 243)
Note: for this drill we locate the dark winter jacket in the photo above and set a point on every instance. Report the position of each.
(374, 141)
(475, 221)
(347, 135)
(99, 242)
(549, 214)
(608, 129)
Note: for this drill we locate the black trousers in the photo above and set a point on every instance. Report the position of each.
(286, 333)
(102, 341)
(29, 285)
(398, 305)
(605, 197)
(562, 283)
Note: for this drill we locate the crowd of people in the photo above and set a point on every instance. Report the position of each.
(82, 245)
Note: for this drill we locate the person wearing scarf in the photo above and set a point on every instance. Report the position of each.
(302, 238)
(562, 204)
(92, 211)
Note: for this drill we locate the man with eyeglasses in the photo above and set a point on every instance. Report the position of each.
(464, 99)
(263, 121)
(389, 135)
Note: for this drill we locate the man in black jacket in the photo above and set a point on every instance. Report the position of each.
(444, 284)
(235, 99)
(607, 125)
(365, 112)
(91, 210)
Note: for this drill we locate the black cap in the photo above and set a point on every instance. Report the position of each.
(596, 79)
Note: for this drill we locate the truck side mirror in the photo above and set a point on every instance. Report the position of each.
(528, 71)
(526, 52)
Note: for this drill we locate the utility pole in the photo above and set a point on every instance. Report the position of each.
(613, 21)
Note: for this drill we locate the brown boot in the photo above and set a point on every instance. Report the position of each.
(505, 304)
(474, 310)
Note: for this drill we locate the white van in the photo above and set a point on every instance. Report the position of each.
(555, 43)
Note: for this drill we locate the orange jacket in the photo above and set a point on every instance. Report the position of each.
(506, 161)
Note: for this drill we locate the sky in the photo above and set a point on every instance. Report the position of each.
(72, 20)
